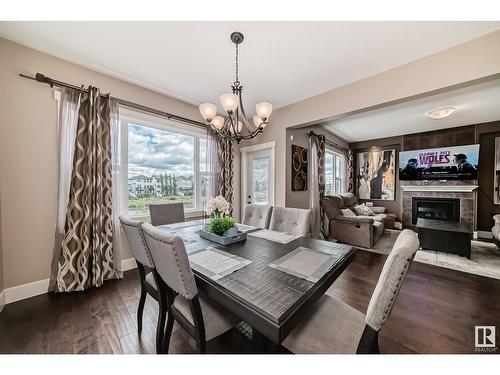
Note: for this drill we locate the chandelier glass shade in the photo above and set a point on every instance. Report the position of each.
(236, 126)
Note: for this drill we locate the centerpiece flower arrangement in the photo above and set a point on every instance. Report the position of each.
(221, 223)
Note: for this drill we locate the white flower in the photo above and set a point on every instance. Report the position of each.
(217, 205)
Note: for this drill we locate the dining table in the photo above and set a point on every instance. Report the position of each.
(269, 280)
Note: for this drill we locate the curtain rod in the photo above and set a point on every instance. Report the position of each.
(39, 77)
(328, 141)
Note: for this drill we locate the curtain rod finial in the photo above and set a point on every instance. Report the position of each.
(44, 79)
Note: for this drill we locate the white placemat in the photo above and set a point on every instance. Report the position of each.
(274, 236)
(183, 224)
(246, 228)
(305, 263)
(216, 263)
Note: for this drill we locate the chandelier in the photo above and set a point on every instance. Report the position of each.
(235, 126)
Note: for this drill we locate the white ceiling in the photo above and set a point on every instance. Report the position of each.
(280, 62)
(474, 104)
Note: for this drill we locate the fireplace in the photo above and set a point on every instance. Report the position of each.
(435, 208)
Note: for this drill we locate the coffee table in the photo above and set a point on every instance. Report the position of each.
(448, 236)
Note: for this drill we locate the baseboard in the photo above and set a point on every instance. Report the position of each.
(24, 291)
(2, 300)
(484, 234)
(36, 288)
(128, 264)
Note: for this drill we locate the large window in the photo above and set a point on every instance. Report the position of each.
(334, 173)
(165, 162)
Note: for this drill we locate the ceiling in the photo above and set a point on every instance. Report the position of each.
(474, 104)
(280, 62)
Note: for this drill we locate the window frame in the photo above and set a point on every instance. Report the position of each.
(336, 154)
(127, 116)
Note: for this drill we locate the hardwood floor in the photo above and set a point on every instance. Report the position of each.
(436, 312)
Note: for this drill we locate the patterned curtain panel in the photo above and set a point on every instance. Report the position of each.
(86, 258)
(350, 172)
(317, 184)
(226, 173)
(321, 175)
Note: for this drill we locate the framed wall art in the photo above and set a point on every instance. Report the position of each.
(375, 175)
(299, 168)
(496, 184)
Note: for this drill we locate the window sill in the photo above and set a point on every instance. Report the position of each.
(195, 214)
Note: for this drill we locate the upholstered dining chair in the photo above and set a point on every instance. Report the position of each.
(145, 265)
(202, 319)
(332, 326)
(257, 215)
(294, 221)
(166, 213)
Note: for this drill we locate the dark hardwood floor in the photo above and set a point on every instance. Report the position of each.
(436, 312)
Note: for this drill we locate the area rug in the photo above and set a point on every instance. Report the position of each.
(485, 256)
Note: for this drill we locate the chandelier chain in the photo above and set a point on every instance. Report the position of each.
(237, 82)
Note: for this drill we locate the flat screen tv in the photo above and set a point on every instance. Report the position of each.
(444, 163)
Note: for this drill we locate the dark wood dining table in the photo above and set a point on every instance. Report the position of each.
(269, 300)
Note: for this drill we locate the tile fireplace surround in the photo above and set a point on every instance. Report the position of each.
(435, 189)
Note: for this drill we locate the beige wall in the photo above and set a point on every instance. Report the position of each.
(28, 158)
(300, 199)
(469, 61)
(1, 250)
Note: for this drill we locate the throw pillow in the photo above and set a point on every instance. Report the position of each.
(363, 210)
(347, 212)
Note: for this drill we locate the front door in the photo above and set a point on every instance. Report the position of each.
(259, 173)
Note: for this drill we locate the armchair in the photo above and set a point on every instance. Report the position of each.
(358, 230)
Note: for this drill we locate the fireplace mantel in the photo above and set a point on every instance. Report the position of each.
(441, 188)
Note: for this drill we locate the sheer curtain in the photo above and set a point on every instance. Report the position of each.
(117, 181)
(212, 158)
(69, 105)
(316, 183)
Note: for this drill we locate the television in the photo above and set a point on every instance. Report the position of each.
(443, 163)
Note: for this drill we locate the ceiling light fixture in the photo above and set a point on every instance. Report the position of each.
(441, 112)
(236, 126)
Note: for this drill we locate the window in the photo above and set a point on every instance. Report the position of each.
(334, 173)
(164, 162)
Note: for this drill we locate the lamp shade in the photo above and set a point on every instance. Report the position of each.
(238, 128)
(257, 121)
(264, 110)
(229, 102)
(208, 111)
(218, 122)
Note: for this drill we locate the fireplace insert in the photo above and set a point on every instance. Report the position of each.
(436, 208)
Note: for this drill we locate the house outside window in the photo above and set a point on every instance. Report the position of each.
(162, 162)
(334, 172)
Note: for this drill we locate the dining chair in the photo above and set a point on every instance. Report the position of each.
(166, 213)
(332, 326)
(198, 316)
(145, 265)
(294, 221)
(257, 215)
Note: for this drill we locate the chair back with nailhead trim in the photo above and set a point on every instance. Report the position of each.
(171, 260)
(391, 278)
(295, 221)
(136, 242)
(257, 215)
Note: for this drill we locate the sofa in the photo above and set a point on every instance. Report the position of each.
(496, 230)
(359, 230)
